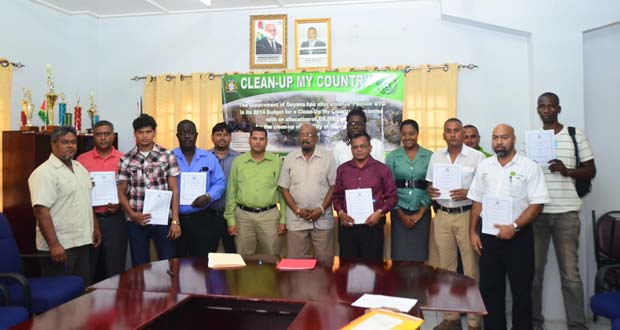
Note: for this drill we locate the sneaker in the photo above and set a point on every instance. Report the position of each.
(449, 325)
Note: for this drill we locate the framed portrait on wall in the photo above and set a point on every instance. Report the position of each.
(313, 49)
(268, 37)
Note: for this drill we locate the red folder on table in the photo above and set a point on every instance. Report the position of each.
(296, 264)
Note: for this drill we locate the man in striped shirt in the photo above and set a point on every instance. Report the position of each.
(560, 217)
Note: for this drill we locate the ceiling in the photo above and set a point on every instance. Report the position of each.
(121, 8)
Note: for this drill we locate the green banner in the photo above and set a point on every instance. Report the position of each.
(281, 102)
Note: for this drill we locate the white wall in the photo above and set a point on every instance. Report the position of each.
(523, 48)
(387, 34)
(36, 36)
(602, 112)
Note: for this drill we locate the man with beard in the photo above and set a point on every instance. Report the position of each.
(252, 196)
(220, 136)
(306, 182)
(198, 223)
(559, 219)
(516, 179)
(60, 191)
(356, 124)
(268, 44)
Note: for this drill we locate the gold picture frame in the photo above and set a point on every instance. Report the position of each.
(268, 46)
(313, 45)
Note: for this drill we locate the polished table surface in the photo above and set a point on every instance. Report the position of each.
(140, 295)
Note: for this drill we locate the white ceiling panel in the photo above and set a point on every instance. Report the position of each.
(115, 8)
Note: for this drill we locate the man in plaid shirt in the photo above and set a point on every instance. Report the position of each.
(148, 166)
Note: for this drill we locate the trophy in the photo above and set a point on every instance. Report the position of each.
(50, 102)
(62, 109)
(92, 112)
(27, 112)
(77, 112)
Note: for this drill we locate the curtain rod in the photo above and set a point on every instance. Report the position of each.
(5, 63)
(406, 70)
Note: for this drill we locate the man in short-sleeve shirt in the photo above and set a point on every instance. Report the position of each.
(148, 166)
(60, 191)
(559, 219)
(306, 181)
(510, 251)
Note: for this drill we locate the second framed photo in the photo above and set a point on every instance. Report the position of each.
(268, 37)
(313, 49)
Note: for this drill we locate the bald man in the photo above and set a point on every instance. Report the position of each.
(506, 246)
(306, 181)
(268, 44)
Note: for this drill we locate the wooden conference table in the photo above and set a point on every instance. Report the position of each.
(185, 294)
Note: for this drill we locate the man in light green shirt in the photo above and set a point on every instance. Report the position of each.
(471, 138)
(252, 196)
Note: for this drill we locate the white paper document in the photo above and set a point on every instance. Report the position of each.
(540, 146)
(495, 211)
(193, 184)
(104, 191)
(157, 203)
(359, 204)
(377, 301)
(447, 177)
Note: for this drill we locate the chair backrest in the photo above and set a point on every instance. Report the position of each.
(10, 261)
(607, 238)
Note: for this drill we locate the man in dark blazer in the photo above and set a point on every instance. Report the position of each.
(312, 45)
(269, 45)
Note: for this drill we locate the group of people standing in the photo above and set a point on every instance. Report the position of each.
(240, 205)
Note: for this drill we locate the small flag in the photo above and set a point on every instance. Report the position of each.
(42, 113)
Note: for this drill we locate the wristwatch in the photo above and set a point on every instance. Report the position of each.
(175, 222)
(516, 227)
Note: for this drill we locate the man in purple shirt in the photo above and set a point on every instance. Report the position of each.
(364, 239)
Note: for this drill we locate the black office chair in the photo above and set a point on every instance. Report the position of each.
(607, 251)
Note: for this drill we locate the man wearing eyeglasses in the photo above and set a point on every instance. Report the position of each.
(306, 181)
(356, 124)
(362, 239)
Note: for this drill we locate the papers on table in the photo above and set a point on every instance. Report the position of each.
(378, 301)
(193, 184)
(157, 203)
(495, 211)
(446, 177)
(225, 260)
(296, 264)
(359, 204)
(540, 146)
(104, 191)
(380, 319)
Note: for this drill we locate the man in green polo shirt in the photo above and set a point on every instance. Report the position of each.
(252, 196)
(471, 138)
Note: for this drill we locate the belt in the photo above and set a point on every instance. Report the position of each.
(218, 211)
(459, 209)
(187, 215)
(410, 184)
(256, 209)
(103, 215)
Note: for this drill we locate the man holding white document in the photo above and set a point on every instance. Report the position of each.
(364, 192)
(102, 164)
(201, 182)
(450, 172)
(148, 193)
(508, 192)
